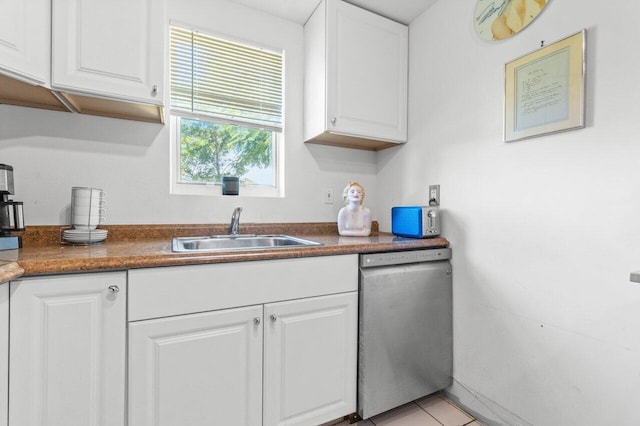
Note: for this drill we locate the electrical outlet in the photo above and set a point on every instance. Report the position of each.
(327, 195)
(434, 195)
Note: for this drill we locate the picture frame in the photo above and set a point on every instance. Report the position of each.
(545, 90)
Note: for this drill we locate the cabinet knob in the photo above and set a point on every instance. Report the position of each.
(154, 89)
(114, 288)
(333, 121)
(256, 320)
(274, 317)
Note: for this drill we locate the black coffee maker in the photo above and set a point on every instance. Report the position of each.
(11, 212)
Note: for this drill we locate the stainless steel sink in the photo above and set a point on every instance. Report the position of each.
(237, 242)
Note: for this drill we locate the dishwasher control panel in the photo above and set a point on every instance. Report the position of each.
(372, 260)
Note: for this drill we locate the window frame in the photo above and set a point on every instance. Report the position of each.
(215, 189)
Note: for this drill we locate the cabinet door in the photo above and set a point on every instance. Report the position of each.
(197, 370)
(367, 66)
(67, 350)
(310, 360)
(111, 48)
(4, 353)
(25, 40)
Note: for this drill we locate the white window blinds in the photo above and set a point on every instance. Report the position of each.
(223, 79)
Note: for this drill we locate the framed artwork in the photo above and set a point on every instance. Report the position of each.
(544, 90)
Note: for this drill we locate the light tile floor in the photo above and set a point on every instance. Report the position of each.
(432, 410)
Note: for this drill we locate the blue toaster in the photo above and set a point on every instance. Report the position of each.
(415, 221)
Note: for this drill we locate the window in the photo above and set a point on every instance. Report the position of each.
(226, 114)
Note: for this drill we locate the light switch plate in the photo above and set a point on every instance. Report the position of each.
(434, 195)
(327, 195)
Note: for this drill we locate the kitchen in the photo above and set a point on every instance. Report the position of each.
(542, 230)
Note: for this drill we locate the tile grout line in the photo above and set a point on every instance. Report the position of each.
(471, 421)
(454, 406)
(419, 406)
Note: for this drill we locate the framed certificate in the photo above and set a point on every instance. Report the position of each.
(544, 90)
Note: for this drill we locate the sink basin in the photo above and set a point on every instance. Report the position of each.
(238, 242)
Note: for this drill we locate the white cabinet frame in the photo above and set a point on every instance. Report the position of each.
(68, 350)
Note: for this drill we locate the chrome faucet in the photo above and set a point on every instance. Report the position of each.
(235, 221)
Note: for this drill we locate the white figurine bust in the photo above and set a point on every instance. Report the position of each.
(354, 219)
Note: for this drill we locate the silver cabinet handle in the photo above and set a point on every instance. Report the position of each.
(274, 318)
(333, 121)
(114, 288)
(154, 89)
(256, 321)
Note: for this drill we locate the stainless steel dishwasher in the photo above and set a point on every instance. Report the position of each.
(405, 348)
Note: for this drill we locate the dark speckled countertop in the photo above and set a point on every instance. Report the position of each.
(142, 246)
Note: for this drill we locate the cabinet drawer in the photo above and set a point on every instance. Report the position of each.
(177, 290)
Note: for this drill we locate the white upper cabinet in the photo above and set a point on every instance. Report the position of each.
(112, 49)
(25, 53)
(356, 70)
(25, 40)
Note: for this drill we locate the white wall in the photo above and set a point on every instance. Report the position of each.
(52, 151)
(545, 231)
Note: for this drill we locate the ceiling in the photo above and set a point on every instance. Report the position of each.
(299, 11)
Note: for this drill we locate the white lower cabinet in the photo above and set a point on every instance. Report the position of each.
(200, 369)
(260, 343)
(207, 369)
(68, 350)
(310, 360)
(4, 354)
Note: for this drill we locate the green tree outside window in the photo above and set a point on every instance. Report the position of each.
(209, 151)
